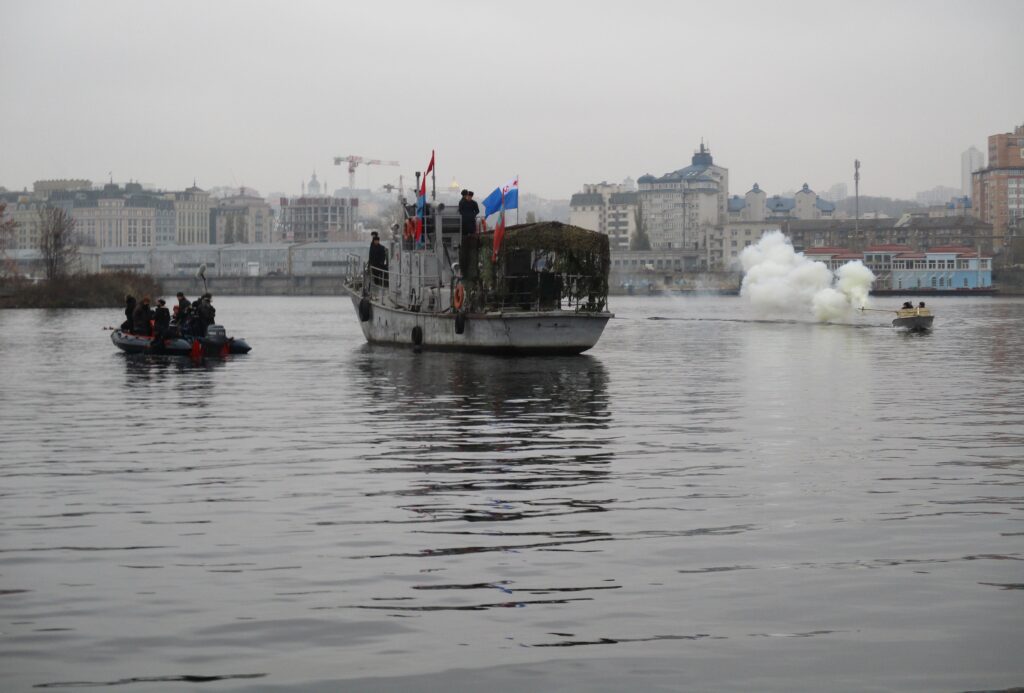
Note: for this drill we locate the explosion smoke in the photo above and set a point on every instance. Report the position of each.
(777, 278)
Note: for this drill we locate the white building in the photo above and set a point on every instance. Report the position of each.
(678, 209)
(970, 161)
(607, 208)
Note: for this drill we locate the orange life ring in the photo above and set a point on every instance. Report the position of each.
(460, 296)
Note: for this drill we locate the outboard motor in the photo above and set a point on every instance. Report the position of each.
(216, 335)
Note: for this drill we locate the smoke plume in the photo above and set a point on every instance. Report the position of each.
(777, 278)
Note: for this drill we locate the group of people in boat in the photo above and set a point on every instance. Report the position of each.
(908, 305)
(187, 319)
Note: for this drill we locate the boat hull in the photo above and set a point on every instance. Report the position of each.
(917, 323)
(539, 332)
(177, 346)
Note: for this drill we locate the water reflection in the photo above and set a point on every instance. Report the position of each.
(480, 439)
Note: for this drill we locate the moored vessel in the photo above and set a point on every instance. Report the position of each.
(538, 288)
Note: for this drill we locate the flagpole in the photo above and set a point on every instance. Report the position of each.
(433, 177)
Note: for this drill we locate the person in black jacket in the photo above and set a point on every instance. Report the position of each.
(468, 210)
(141, 317)
(206, 314)
(161, 322)
(183, 304)
(378, 261)
(129, 313)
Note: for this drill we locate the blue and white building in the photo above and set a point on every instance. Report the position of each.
(900, 268)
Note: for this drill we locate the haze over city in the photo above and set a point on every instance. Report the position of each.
(262, 94)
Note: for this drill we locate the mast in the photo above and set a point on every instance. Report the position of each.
(856, 194)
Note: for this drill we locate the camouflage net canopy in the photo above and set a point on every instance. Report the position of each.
(541, 266)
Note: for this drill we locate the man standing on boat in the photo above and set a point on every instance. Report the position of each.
(161, 323)
(468, 210)
(378, 261)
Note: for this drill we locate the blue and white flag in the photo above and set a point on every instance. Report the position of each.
(492, 203)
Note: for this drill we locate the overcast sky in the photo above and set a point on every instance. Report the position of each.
(261, 93)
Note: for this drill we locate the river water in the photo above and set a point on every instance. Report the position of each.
(710, 499)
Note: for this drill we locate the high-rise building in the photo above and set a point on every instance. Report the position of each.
(970, 161)
(678, 208)
(607, 208)
(999, 187)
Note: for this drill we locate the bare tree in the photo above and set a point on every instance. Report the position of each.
(57, 242)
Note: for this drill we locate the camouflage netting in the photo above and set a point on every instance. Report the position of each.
(539, 265)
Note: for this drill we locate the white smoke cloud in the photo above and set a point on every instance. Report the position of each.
(777, 278)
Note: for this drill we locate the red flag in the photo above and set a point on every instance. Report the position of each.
(421, 200)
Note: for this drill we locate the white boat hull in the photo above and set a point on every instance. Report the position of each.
(540, 332)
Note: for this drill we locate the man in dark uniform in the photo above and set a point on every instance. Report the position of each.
(161, 323)
(129, 313)
(378, 261)
(141, 317)
(468, 210)
(206, 312)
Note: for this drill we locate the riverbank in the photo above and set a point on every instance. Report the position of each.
(83, 291)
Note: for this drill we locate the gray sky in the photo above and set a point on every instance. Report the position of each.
(261, 93)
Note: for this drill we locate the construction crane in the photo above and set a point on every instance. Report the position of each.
(354, 161)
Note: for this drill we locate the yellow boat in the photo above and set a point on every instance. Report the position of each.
(917, 319)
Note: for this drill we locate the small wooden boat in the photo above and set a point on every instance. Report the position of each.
(909, 318)
(913, 319)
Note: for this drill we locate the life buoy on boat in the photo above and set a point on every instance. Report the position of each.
(459, 297)
(410, 230)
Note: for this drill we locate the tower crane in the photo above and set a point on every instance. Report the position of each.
(354, 161)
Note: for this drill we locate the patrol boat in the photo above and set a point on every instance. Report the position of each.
(538, 288)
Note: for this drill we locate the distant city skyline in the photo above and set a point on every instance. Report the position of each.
(262, 93)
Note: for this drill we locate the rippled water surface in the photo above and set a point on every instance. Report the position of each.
(708, 500)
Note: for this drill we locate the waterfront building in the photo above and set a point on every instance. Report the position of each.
(242, 218)
(115, 216)
(318, 219)
(234, 260)
(917, 230)
(999, 187)
(726, 242)
(607, 208)
(192, 216)
(757, 206)
(679, 208)
(755, 214)
(900, 267)
(23, 210)
(970, 161)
